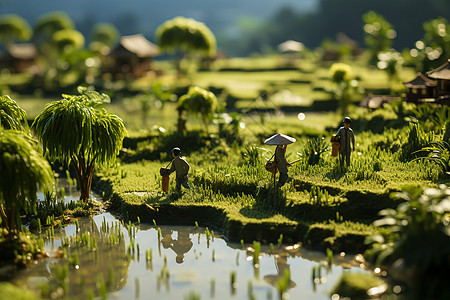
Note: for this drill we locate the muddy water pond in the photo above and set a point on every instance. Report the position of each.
(107, 258)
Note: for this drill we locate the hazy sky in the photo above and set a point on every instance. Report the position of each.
(150, 13)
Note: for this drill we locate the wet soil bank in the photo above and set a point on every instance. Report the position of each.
(310, 226)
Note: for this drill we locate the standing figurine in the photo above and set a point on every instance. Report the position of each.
(345, 135)
(181, 167)
(282, 164)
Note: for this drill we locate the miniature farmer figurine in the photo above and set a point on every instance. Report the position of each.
(282, 164)
(345, 135)
(181, 167)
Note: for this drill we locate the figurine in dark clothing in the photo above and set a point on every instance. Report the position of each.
(282, 164)
(346, 139)
(181, 167)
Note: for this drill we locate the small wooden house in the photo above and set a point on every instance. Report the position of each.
(19, 58)
(420, 89)
(435, 89)
(132, 57)
(442, 75)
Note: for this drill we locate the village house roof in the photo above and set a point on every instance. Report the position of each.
(135, 44)
(420, 82)
(291, 46)
(22, 51)
(442, 72)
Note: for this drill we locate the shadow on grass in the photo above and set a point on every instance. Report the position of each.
(269, 202)
(337, 172)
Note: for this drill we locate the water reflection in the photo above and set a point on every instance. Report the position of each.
(180, 246)
(282, 268)
(128, 261)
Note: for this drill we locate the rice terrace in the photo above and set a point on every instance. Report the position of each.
(225, 151)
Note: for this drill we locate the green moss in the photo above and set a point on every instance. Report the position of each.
(10, 291)
(19, 249)
(355, 285)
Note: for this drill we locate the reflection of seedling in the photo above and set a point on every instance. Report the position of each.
(329, 258)
(233, 282)
(257, 250)
(213, 287)
(280, 240)
(110, 280)
(251, 295)
(283, 283)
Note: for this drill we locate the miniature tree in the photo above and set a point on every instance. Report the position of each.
(23, 170)
(50, 23)
(14, 27)
(379, 34)
(78, 130)
(11, 115)
(68, 40)
(185, 35)
(341, 76)
(103, 35)
(433, 49)
(199, 101)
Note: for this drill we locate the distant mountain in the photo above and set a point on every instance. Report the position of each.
(144, 16)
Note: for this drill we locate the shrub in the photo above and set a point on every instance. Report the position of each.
(417, 139)
(313, 148)
(417, 242)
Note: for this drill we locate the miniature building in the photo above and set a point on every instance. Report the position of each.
(420, 89)
(132, 57)
(20, 57)
(442, 75)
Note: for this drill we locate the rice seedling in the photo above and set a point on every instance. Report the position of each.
(101, 286)
(256, 252)
(283, 284)
(192, 295)
(212, 287)
(329, 258)
(233, 282)
(110, 279)
(137, 288)
(250, 290)
(280, 241)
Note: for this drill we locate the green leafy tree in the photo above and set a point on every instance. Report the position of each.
(24, 170)
(103, 35)
(199, 101)
(14, 28)
(185, 35)
(77, 130)
(11, 115)
(433, 49)
(68, 40)
(391, 62)
(379, 34)
(341, 76)
(50, 23)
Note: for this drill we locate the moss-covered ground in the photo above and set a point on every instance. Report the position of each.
(322, 205)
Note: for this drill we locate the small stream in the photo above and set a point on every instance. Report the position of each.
(106, 258)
